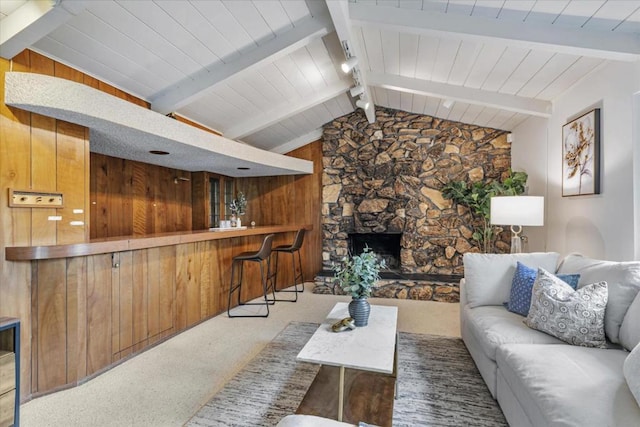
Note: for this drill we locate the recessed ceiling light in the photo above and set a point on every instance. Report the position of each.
(243, 168)
(159, 152)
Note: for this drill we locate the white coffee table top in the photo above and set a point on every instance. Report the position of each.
(369, 348)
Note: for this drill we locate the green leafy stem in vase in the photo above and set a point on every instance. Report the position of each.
(238, 206)
(357, 274)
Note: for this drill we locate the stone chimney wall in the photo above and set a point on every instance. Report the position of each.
(387, 177)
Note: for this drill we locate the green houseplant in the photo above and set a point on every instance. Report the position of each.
(356, 276)
(477, 197)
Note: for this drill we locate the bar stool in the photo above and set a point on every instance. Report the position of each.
(292, 249)
(261, 257)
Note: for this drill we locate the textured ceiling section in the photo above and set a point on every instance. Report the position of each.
(122, 129)
(267, 72)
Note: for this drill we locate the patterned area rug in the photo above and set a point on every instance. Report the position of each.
(438, 385)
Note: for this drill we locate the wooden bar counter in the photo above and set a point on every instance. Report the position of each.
(93, 304)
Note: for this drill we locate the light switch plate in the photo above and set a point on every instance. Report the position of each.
(34, 199)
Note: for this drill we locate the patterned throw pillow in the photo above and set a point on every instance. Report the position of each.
(576, 317)
(522, 285)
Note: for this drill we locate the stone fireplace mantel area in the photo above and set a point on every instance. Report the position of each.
(385, 179)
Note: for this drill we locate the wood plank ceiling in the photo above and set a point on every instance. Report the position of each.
(267, 72)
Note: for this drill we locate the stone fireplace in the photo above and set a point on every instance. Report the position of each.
(385, 245)
(385, 179)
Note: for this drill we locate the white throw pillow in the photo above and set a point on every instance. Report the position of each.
(623, 280)
(631, 369)
(488, 276)
(630, 329)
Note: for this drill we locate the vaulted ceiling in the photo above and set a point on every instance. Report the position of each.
(267, 72)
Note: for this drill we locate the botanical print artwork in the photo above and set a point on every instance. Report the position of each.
(580, 155)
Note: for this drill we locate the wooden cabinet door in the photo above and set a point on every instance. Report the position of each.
(161, 291)
(143, 295)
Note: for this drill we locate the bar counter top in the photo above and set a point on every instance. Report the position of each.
(129, 243)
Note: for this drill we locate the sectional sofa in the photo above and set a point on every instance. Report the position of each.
(543, 380)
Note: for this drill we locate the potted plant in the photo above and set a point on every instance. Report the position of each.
(477, 197)
(356, 276)
(238, 208)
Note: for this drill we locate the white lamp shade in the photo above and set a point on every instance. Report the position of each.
(517, 210)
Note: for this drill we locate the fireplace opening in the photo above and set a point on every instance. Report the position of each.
(385, 245)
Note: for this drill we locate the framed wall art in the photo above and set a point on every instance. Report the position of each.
(581, 155)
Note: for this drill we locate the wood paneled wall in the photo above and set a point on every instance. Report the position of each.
(133, 198)
(93, 311)
(291, 200)
(130, 198)
(42, 154)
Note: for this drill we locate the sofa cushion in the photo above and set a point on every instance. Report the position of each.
(623, 280)
(563, 385)
(576, 317)
(488, 276)
(522, 286)
(631, 371)
(630, 328)
(493, 326)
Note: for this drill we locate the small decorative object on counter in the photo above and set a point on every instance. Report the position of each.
(346, 324)
(238, 208)
(253, 224)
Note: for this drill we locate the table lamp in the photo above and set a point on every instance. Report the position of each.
(517, 211)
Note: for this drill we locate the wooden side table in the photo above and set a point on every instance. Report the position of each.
(11, 327)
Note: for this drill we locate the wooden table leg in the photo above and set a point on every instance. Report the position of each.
(341, 394)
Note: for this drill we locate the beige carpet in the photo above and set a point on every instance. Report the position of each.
(166, 385)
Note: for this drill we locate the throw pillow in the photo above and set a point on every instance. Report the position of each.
(522, 285)
(623, 280)
(488, 276)
(576, 317)
(631, 370)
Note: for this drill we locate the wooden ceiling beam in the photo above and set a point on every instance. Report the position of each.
(599, 44)
(31, 22)
(339, 11)
(518, 104)
(190, 88)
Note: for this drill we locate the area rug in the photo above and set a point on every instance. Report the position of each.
(438, 385)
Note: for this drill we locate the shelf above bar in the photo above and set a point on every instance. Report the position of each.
(125, 130)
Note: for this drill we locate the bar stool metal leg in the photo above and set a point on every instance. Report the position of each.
(298, 279)
(237, 277)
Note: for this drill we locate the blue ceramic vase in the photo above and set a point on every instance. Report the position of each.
(359, 310)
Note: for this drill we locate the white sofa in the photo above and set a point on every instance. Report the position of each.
(537, 379)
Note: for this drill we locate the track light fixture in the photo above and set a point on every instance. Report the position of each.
(349, 64)
(362, 103)
(356, 91)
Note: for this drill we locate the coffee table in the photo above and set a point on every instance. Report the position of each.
(360, 364)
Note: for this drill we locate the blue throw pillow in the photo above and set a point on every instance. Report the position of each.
(522, 286)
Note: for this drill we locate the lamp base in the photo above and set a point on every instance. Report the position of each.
(516, 241)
